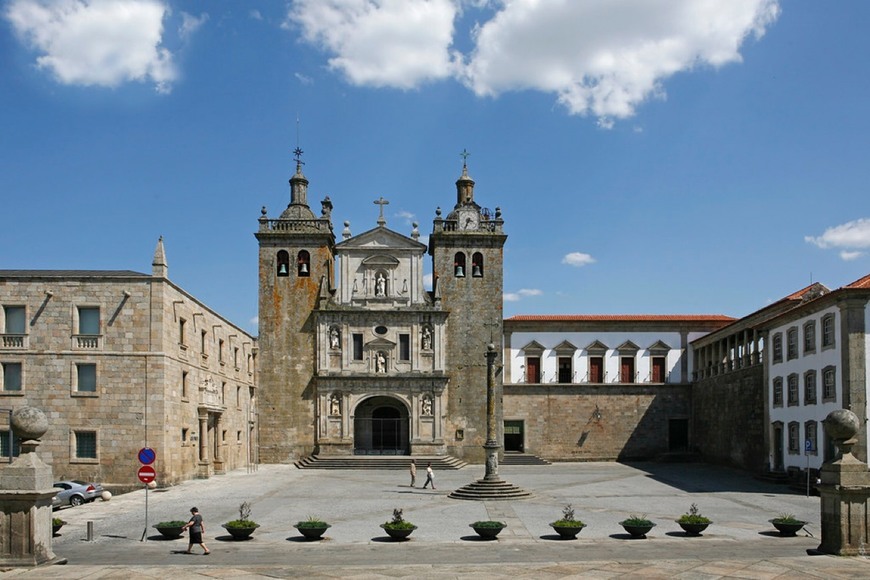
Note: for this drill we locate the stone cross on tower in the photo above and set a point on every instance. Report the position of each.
(381, 202)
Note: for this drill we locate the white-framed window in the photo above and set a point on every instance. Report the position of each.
(828, 339)
(777, 347)
(810, 337)
(777, 392)
(810, 436)
(793, 390)
(84, 446)
(792, 343)
(12, 377)
(829, 384)
(794, 438)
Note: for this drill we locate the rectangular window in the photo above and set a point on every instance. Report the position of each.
(223, 392)
(86, 444)
(86, 377)
(810, 388)
(596, 369)
(566, 374)
(828, 331)
(657, 374)
(404, 347)
(810, 337)
(89, 320)
(810, 430)
(221, 351)
(12, 376)
(15, 319)
(182, 339)
(236, 357)
(184, 432)
(238, 436)
(792, 343)
(829, 392)
(203, 342)
(777, 392)
(793, 390)
(183, 384)
(533, 369)
(794, 438)
(357, 347)
(777, 347)
(8, 441)
(238, 396)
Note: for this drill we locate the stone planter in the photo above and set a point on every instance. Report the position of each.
(693, 529)
(488, 532)
(170, 532)
(788, 529)
(312, 532)
(241, 533)
(398, 533)
(637, 530)
(567, 532)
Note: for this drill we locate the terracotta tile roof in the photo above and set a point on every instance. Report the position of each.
(621, 317)
(860, 283)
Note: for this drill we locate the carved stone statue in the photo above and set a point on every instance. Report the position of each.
(381, 286)
(334, 338)
(381, 363)
(334, 405)
(426, 406)
(427, 339)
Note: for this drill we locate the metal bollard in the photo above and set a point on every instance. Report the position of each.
(90, 531)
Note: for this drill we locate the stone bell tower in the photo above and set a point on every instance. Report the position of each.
(296, 266)
(467, 249)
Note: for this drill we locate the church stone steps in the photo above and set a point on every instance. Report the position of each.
(380, 462)
(517, 458)
(489, 490)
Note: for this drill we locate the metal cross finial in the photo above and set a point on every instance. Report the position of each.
(381, 202)
(492, 325)
(464, 156)
(297, 153)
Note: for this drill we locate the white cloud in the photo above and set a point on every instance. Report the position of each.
(394, 43)
(578, 259)
(849, 256)
(255, 321)
(305, 80)
(255, 15)
(190, 24)
(520, 294)
(97, 42)
(850, 235)
(598, 57)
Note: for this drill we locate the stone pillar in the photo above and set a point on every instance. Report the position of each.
(844, 491)
(25, 497)
(218, 443)
(491, 446)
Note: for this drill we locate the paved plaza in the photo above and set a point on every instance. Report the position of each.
(740, 544)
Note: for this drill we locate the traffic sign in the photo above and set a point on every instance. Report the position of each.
(147, 456)
(808, 446)
(146, 474)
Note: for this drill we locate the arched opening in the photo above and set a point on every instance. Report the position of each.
(477, 265)
(459, 265)
(303, 264)
(283, 263)
(381, 427)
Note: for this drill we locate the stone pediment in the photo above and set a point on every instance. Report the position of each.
(597, 347)
(659, 347)
(628, 346)
(533, 347)
(380, 343)
(381, 260)
(380, 237)
(565, 347)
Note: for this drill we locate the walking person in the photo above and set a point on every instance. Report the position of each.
(197, 529)
(413, 470)
(430, 476)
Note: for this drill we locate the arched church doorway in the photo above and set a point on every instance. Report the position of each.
(381, 427)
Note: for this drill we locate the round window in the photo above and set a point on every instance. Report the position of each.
(380, 330)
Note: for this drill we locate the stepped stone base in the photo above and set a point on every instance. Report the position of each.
(380, 462)
(489, 490)
(517, 458)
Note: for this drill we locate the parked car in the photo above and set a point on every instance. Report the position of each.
(75, 492)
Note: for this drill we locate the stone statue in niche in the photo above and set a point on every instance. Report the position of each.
(381, 286)
(334, 338)
(334, 405)
(426, 406)
(426, 342)
(380, 363)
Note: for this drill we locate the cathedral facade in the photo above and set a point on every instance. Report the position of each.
(358, 358)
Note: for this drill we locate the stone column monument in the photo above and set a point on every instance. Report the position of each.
(844, 490)
(25, 497)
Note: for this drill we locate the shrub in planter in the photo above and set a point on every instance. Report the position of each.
(637, 526)
(171, 529)
(398, 528)
(692, 522)
(787, 524)
(568, 527)
(488, 529)
(243, 527)
(56, 525)
(312, 528)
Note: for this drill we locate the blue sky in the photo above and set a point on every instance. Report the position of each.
(649, 156)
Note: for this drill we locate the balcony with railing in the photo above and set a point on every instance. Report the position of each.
(87, 342)
(14, 341)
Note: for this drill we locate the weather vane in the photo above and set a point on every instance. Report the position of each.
(297, 153)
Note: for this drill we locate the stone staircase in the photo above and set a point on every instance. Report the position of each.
(380, 462)
(517, 458)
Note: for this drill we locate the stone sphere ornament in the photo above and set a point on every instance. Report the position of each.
(29, 423)
(842, 425)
